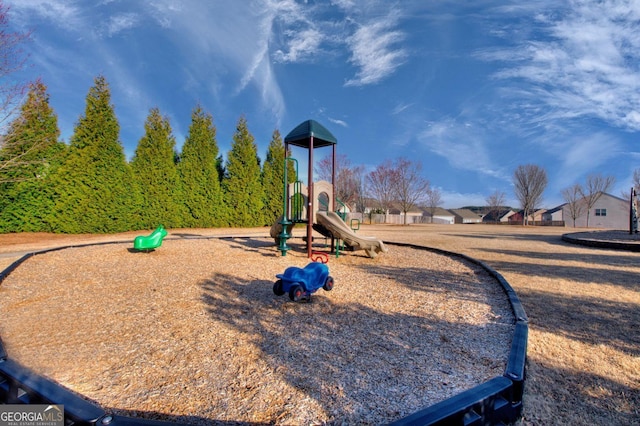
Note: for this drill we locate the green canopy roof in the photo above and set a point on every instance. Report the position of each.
(301, 135)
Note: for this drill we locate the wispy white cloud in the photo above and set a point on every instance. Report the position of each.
(375, 51)
(583, 62)
(229, 41)
(344, 4)
(462, 144)
(584, 153)
(245, 42)
(63, 13)
(338, 122)
(296, 36)
(121, 22)
(302, 45)
(163, 11)
(368, 31)
(400, 108)
(75, 17)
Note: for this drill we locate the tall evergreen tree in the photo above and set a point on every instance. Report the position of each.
(199, 173)
(93, 186)
(31, 149)
(156, 175)
(31, 140)
(242, 188)
(273, 178)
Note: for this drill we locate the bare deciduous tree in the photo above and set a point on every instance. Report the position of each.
(596, 185)
(434, 199)
(410, 187)
(529, 183)
(575, 203)
(12, 60)
(358, 177)
(495, 201)
(348, 178)
(380, 183)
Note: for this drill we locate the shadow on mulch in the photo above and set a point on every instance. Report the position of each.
(344, 335)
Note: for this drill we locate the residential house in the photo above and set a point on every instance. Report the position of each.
(609, 212)
(466, 216)
(536, 216)
(501, 216)
(414, 215)
(555, 214)
(370, 205)
(516, 218)
(441, 216)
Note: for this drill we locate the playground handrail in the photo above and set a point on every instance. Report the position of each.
(342, 214)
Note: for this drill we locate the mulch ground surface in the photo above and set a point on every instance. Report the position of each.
(583, 306)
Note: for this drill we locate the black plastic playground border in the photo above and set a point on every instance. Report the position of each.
(593, 242)
(497, 401)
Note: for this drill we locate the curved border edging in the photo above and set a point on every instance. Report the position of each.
(499, 400)
(589, 242)
(496, 401)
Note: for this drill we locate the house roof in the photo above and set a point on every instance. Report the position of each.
(466, 214)
(555, 209)
(439, 211)
(301, 135)
(496, 215)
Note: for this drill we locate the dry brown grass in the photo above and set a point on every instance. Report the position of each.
(583, 306)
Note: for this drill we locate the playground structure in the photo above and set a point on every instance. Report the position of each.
(315, 203)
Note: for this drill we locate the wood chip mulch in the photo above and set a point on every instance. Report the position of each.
(192, 332)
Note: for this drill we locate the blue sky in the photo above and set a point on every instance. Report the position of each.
(471, 90)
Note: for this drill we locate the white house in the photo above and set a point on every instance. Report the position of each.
(466, 216)
(609, 212)
(441, 215)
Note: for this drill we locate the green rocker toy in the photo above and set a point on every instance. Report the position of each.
(151, 241)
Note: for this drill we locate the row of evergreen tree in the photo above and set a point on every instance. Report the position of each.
(88, 186)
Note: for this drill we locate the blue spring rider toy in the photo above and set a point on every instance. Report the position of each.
(300, 283)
